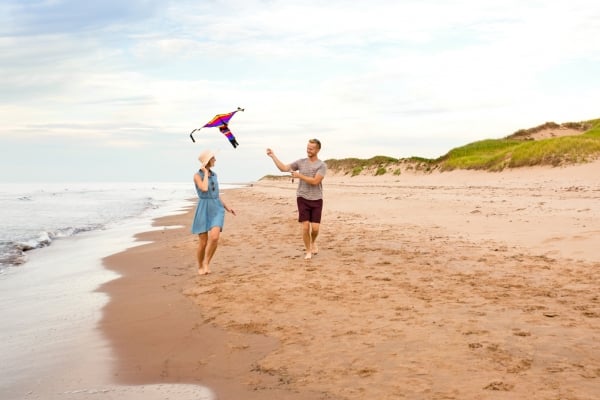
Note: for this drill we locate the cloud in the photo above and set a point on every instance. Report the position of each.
(403, 77)
(37, 17)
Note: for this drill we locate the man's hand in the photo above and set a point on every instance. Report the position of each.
(270, 153)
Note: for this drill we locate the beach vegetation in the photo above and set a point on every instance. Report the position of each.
(595, 130)
(488, 154)
(577, 126)
(521, 149)
(355, 166)
(559, 151)
(347, 164)
(420, 160)
(380, 171)
(498, 154)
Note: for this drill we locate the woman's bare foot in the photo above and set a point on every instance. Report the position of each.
(308, 256)
(314, 249)
(204, 270)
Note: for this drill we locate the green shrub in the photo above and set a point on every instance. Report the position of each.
(494, 154)
(356, 170)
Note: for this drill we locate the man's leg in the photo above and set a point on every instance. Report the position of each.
(304, 219)
(306, 238)
(314, 232)
(315, 223)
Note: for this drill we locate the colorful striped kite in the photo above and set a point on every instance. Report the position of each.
(221, 121)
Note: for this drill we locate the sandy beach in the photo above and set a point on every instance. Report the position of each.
(455, 285)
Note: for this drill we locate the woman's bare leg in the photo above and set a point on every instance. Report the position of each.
(211, 247)
(201, 252)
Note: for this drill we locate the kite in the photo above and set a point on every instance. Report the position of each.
(221, 121)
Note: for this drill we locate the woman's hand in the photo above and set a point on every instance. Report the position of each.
(231, 210)
(227, 208)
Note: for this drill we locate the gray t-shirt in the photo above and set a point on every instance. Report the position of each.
(308, 168)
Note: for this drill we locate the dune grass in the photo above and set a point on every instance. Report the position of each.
(355, 166)
(491, 154)
(497, 154)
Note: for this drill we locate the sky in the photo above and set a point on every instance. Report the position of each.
(110, 90)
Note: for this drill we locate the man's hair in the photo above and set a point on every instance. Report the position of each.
(316, 141)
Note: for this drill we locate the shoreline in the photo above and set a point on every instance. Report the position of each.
(160, 336)
(426, 286)
(52, 348)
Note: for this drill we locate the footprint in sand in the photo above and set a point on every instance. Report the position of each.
(499, 385)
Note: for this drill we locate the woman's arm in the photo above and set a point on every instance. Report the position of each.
(202, 183)
(228, 209)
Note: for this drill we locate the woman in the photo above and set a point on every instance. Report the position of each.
(210, 212)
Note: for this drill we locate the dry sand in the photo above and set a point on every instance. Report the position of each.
(549, 133)
(461, 285)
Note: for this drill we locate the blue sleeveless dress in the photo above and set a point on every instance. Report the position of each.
(209, 211)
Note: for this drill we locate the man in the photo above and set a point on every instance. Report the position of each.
(310, 172)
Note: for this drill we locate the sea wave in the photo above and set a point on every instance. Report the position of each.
(34, 217)
(13, 252)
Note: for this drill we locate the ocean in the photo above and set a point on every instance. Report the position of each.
(35, 215)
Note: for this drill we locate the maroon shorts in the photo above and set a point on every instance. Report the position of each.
(309, 210)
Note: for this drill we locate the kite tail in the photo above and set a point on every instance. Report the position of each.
(225, 131)
(192, 135)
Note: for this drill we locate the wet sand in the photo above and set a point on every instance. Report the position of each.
(462, 285)
(51, 347)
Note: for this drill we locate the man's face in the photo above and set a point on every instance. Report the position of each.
(312, 149)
